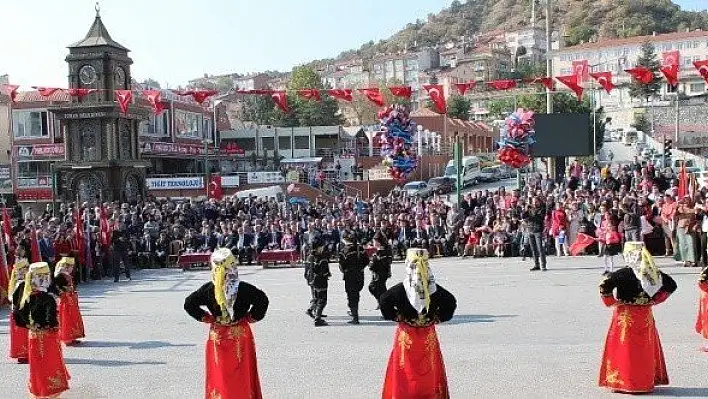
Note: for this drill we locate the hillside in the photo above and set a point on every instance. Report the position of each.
(579, 20)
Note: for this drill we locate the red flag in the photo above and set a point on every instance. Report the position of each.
(683, 182)
(215, 190)
(154, 98)
(10, 91)
(341, 94)
(79, 237)
(7, 229)
(124, 97)
(545, 81)
(374, 95)
(571, 81)
(502, 84)
(670, 61)
(281, 100)
(201, 95)
(80, 93)
(605, 80)
(582, 241)
(702, 67)
(401, 91)
(34, 247)
(671, 58)
(105, 228)
(437, 97)
(462, 88)
(46, 91)
(310, 94)
(641, 74)
(581, 70)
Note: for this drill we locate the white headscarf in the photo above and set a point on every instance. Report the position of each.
(226, 281)
(419, 282)
(231, 290)
(644, 267)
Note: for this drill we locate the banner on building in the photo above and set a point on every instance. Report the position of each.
(230, 181)
(265, 177)
(160, 148)
(41, 151)
(33, 194)
(175, 183)
(379, 174)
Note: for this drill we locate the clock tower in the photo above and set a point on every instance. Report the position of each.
(102, 158)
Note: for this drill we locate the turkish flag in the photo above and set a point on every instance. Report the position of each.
(281, 100)
(401, 91)
(671, 73)
(7, 229)
(437, 96)
(604, 79)
(79, 242)
(502, 84)
(702, 67)
(35, 256)
(581, 70)
(545, 81)
(153, 97)
(310, 94)
(80, 93)
(671, 58)
(201, 95)
(682, 182)
(374, 95)
(642, 74)
(215, 191)
(571, 81)
(462, 88)
(124, 98)
(46, 91)
(582, 241)
(341, 94)
(105, 228)
(10, 91)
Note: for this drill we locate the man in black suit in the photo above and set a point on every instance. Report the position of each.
(244, 246)
(419, 236)
(261, 238)
(534, 217)
(403, 239)
(274, 237)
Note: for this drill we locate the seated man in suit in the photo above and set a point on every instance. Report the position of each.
(162, 248)
(419, 238)
(404, 239)
(245, 246)
(274, 237)
(261, 238)
(145, 250)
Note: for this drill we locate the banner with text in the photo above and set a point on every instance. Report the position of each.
(265, 177)
(175, 183)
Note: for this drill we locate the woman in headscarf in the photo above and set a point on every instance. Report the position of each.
(71, 324)
(48, 376)
(231, 304)
(633, 361)
(415, 367)
(18, 335)
(702, 319)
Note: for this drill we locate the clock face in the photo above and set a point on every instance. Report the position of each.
(87, 74)
(119, 77)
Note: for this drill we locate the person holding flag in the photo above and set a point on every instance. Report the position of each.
(71, 324)
(18, 335)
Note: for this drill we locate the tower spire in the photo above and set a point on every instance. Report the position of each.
(97, 7)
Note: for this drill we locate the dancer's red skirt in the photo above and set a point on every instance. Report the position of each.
(4, 282)
(415, 368)
(231, 367)
(71, 324)
(48, 375)
(18, 340)
(633, 360)
(702, 319)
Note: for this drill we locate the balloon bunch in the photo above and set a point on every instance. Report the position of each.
(517, 136)
(396, 141)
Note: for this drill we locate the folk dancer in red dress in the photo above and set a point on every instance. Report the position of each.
(232, 304)
(18, 335)
(415, 368)
(71, 324)
(702, 319)
(48, 376)
(633, 361)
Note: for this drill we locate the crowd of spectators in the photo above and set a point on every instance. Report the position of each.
(547, 217)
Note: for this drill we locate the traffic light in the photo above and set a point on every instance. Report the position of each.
(668, 145)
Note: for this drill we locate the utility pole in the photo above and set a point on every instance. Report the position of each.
(457, 154)
(549, 72)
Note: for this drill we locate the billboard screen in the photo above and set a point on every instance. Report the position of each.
(563, 135)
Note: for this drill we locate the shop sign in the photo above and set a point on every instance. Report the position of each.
(41, 151)
(230, 181)
(33, 194)
(159, 148)
(265, 177)
(175, 183)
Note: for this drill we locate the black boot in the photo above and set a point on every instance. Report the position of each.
(320, 323)
(309, 313)
(355, 317)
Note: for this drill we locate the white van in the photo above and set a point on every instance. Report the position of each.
(471, 169)
(265, 192)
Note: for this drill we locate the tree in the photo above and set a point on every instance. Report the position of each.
(309, 112)
(500, 108)
(224, 84)
(641, 123)
(257, 109)
(366, 111)
(151, 83)
(648, 59)
(458, 107)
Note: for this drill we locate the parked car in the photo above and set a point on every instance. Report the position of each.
(490, 174)
(506, 172)
(412, 188)
(437, 185)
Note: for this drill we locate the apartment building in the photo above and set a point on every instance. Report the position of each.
(252, 81)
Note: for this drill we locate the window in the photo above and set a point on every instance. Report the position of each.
(268, 143)
(696, 44)
(156, 125)
(33, 174)
(302, 142)
(679, 46)
(29, 124)
(697, 87)
(188, 124)
(284, 143)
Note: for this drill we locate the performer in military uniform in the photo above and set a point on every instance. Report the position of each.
(71, 324)
(317, 275)
(702, 319)
(352, 262)
(380, 266)
(48, 376)
(18, 335)
(633, 361)
(232, 304)
(415, 367)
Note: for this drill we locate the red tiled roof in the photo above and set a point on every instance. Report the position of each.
(664, 37)
(35, 97)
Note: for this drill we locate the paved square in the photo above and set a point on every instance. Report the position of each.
(515, 334)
